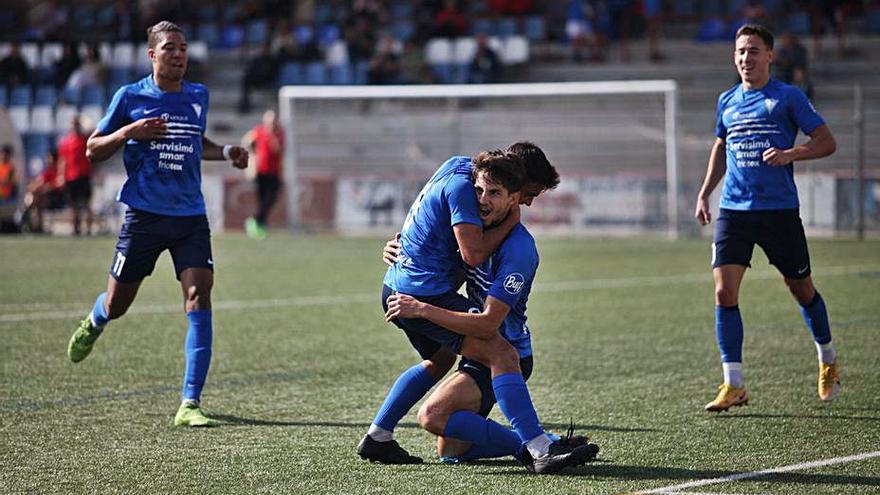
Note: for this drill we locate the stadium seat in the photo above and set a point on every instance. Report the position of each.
(118, 77)
(208, 33)
(515, 50)
(361, 68)
(327, 34)
(506, 26)
(21, 118)
(3, 98)
(291, 73)
(316, 73)
(324, 13)
(30, 52)
(105, 53)
(123, 55)
(20, 96)
(83, 17)
(93, 95)
(142, 62)
(63, 115)
(207, 12)
(50, 53)
(536, 28)
(91, 115)
(257, 31)
(198, 50)
(71, 96)
(483, 25)
(799, 23)
(46, 95)
(231, 37)
(336, 54)
(463, 50)
(872, 21)
(401, 10)
(42, 119)
(403, 29)
(443, 72)
(438, 51)
(461, 73)
(341, 74)
(37, 144)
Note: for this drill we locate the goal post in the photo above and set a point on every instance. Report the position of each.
(339, 131)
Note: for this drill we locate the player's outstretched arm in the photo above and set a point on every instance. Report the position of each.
(100, 147)
(213, 151)
(821, 144)
(477, 244)
(714, 173)
(478, 325)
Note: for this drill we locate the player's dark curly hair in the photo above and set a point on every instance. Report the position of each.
(154, 32)
(538, 167)
(502, 167)
(756, 30)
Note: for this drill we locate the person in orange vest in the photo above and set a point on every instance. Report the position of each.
(267, 141)
(7, 175)
(76, 172)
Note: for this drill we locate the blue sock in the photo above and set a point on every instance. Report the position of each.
(516, 404)
(198, 353)
(410, 386)
(489, 438)
(99, 314)
(816, 317)
(729, 331)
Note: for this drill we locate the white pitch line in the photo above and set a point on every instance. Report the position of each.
(34, 311)
(764, 472)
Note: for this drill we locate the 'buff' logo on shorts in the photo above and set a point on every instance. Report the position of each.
(514, 282)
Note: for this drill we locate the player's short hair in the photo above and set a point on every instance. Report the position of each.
(502, 167)
(756, 30)
(538, 167)
(156, 30)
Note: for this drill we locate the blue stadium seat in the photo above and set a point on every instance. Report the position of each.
(461, 74)
(328, 33)
(257, 32)
(291, 73)
(71, 96)
(403, 29)
(536, 28)
(506, 26)
(316, 73)
(483, 25)
(208, 33)
(93, 95)
(304, 34)
(872, 21)
(207, 12)
(324, 13)
(118, 76)
(360, 71)
(341, 74)
(83, 18)
(443, 72)
(46, 95)
(20, 97)
(799, 23)
(37, 145)
(3, 99)
(401, 10)
(231, 37)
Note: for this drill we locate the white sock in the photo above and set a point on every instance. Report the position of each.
(380, 434)
(827, 354)
(733, 374)
(190, 402)
(539, 446)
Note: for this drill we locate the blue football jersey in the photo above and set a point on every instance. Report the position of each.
(750, 122)
(507, 276)
(164, 175)
(429, 262)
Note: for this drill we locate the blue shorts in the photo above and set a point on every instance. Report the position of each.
(145, 235)
(482, 375)
(427, 337)
(780, 234)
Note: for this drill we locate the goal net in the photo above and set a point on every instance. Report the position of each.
(357, 156)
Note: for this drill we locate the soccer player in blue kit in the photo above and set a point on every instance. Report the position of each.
(457, 411)
(428, 268)
(757, 123)
(160, 121)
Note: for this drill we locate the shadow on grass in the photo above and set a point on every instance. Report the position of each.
(604, 469)
(788, 416)
(231, 420)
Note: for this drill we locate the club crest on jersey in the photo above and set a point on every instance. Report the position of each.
(514, 283)
(198, 109)
(770, 104)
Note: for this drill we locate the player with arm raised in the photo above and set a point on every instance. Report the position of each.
(160, 122)
(754, 152)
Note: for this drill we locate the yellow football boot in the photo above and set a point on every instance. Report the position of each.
(829, 381)
(728, 396)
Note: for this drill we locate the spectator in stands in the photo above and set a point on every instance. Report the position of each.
(620, 14)
(261, 72)
(790, 63)
(76, 172)
(486, 66)
(43, 193)
(8, 179)
(65, 65)
(267, 142)
(293, 49)
(360, 40)
(413, 69)
(14, 70)
(653, 20)
(512, 7)
(450, 21)
(580, 31)
(91, 73)
(385, 66)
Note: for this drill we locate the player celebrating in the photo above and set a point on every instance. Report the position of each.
(757, 122)
(161, 120)
(501, 286)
